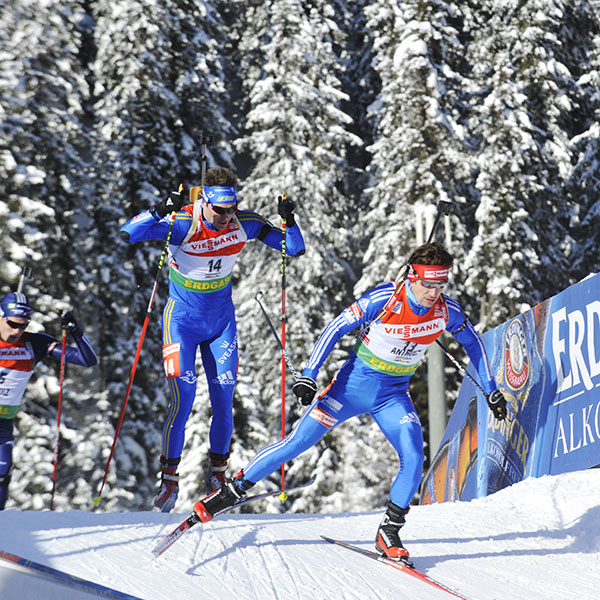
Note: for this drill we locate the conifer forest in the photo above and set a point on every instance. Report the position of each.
(366, 113)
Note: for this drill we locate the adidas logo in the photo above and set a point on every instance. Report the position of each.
(225, 379)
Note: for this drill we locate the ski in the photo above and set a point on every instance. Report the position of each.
(396, 564)
(193, 519)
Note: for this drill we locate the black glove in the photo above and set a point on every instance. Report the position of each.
(68, 322)
(497, 403)
(285, 208)
(305, 389)
(172, 203)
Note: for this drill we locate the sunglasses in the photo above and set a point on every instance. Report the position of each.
(14, 325)
(439, 285)
(224, 211)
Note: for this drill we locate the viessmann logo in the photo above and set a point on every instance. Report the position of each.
(516, 356)
(212, 244)
(14, 352)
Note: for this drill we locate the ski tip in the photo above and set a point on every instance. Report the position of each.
(283, 496)
(96, 501)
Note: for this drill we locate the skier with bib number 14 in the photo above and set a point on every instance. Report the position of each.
(398, 321)
(199, 311)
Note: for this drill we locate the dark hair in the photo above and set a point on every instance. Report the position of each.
(220, 176)
(430, 254)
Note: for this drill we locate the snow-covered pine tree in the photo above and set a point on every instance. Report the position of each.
(580, 54)
(43, 216)
(294, 139)
(159, 85)
(519, 255)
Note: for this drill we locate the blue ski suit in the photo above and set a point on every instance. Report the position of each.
(375, 379)
(199, 312)
(17, 362)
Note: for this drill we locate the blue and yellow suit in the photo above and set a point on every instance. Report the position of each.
(199, 312)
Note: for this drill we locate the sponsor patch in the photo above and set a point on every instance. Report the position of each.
(356, 310)
(230, 348)
(322, 417)
(189, 377)
(226, 378)
(331, 403)
(410, 331)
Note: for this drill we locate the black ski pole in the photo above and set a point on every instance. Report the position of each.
(284, 353)
(25, 273)
(283, 320)
(60, 395)
(460, 367)
(444, 207)
(205, 142)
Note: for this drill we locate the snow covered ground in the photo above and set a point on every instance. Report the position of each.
(539, 539)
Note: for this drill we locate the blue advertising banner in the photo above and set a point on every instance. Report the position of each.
(547, 363)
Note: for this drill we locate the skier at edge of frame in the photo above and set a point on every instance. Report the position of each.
(20, 351)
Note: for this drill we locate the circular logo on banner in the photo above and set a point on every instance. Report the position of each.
(516, 357)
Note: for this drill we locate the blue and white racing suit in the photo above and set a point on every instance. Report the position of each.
(199, 312)
(375, 378)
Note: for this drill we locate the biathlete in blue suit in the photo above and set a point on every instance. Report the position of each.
(397, 324)
(199, 311)
(20, 351)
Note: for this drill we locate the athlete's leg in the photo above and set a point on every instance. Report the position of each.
(399, 422)
(179, 360)
(220, 361)
(340, 402)
(6, 448)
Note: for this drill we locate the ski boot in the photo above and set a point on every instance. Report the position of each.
(169, 485)
(216, 471)
(388, 540)
(228, 495)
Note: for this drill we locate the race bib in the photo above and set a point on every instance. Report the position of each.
(171, 359)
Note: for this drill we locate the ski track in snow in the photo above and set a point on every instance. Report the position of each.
(538, 539)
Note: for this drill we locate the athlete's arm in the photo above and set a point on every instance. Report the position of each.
(463, 331)
(360, 312)
(146, 226)
(258, 227)
(46, 345)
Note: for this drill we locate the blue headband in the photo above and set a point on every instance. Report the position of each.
(219, 194)
(15, 304)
